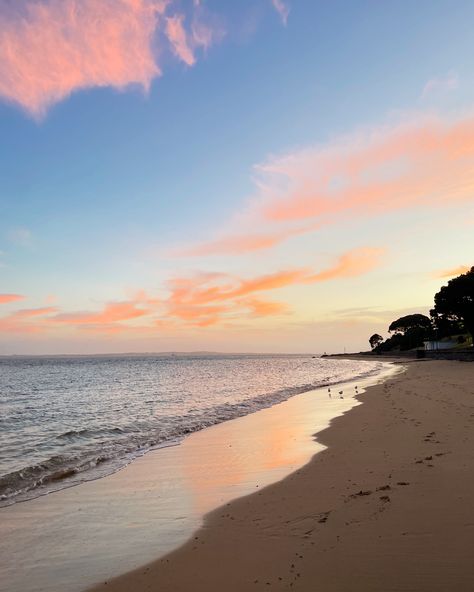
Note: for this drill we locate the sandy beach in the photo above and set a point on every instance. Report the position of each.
(388, 506)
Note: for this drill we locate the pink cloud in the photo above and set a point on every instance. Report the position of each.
(440, 84)
(428, 162)
(179, 40)
(206, 27)
(235, 245)
(240, 244)
(389, 169)
(50, 49)
(6, 298)
(283, 10)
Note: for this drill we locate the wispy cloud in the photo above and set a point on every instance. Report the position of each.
(20, 236)
(440, 85)
(426, 161)
(283, 9)
(178, 38)
(210, 299)
(207, 28)
(373, 172)
(6, 298)
(241, 244)
(351, 264)
(453, 272)
(112, 312)
(200, 300)
(30, 320)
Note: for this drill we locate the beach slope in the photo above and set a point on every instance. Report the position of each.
(388, 506)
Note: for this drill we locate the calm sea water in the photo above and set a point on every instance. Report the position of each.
(65, 420)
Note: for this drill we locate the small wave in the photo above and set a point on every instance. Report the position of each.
(72, 434)
(100, 452)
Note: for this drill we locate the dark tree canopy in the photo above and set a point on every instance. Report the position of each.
(395, 342)
(409, 322)
(455, 302)
(375, 340)
(445, 327)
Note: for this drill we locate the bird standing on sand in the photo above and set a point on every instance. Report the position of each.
(341, 394)
(329, 393)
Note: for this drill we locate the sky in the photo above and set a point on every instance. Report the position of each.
(255, 176)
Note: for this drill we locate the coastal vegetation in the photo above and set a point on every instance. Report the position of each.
(452, 317)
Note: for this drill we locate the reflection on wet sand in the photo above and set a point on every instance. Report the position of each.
(76, 537)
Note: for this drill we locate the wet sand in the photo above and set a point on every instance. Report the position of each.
(388, 506)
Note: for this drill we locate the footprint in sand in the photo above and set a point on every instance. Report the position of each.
(361, 493)
(323, 517)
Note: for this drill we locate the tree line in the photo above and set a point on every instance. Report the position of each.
(452, 314)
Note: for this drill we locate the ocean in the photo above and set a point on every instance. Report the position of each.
(66, 420)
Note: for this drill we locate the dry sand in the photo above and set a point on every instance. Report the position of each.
(389, 506)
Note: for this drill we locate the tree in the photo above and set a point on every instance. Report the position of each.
(396, 342)
(444, 327)
(375, 340)
(455, 302)
(410, 331)
(413, 321)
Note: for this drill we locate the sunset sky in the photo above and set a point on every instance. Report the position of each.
(251, 175)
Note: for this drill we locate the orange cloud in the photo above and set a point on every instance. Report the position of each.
(51, 48)
(264, 308)
(200, 301)
(6, 298)
(449, 273)
(111, 319)
(351, 264)
(31, 320)
(426, 163)
(209, 299)
(28, 313)
(113, 312)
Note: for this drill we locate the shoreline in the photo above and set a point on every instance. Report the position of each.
(371, 512)
(74, 477)
(84, 470)
(73, 538)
